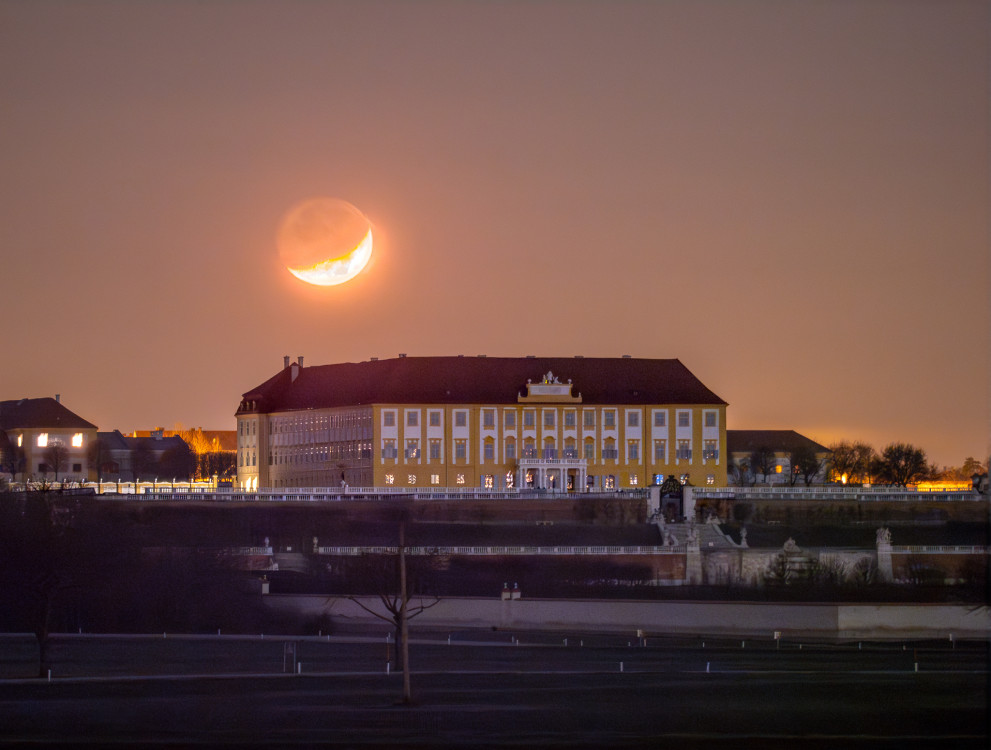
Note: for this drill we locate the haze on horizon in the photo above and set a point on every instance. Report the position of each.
(790, 198)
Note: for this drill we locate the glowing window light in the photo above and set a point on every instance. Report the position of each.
(43, 440)
(20, 441)
(390, 479)
(77, 440)
(460, 479)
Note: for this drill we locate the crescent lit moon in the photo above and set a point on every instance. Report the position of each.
(337, 270)
(325, 241)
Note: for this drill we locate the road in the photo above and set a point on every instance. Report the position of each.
(497, 689)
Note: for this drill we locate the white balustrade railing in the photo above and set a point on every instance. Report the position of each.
(510, 550)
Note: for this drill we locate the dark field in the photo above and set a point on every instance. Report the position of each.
(495, 689)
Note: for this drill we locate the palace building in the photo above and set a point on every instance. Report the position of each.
(546, 423)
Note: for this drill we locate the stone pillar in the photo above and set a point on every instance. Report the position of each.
(689, 502)
(885, 570)
(653, 501)
(693, 558)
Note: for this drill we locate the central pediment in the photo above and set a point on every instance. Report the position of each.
(549, 388)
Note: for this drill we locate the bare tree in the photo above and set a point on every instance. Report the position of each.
(56, 457)
(395, 598)
(763, 461)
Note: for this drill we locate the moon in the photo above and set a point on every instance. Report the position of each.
(325, 241)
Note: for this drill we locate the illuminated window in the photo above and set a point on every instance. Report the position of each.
(411, 479)
(488, 481)
(683, 479)
(609, 482)
(412, 448)
(658, 479)
(390, 479)
(389, 419)
(634, 480)
(412, 419)
(435, 419)
(20, 441)
(43, 440)
(777, 469)
(710, 450)
(435, 479)
(459, 479)
(632, 419)
(460, 419)
(77, 440)
(510, 480)
(510, 420)
(710, 478)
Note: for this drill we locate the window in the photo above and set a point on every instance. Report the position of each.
(511, 451)
(529, 419)
(684, 419)
(412, 448)
(488, 451)
(609, 482)
(570, 449)
(634, 480)
(589, 451)
(390, 479)
(459, 479)
(20, 441)
(488, 481)
(710, 450)
(633, 450)
(510, 420)
(632, 419)
(610, 450)
(412, 419)
(660, 419)
(488, 418)
(684, 452)
(43, 440)
(683, 478)
(510, 480)
(710, 419)
(460, 450)
(710, 478)
(569, 419)
(389, 418)
(435, 450)
(411, 479)
(529, 449)
(435, 479)
(588, 418)
(460, 419)
(389, 449)
(549, 419)
(609, 418)
(434, 418)
(660, 450)
(77, 442)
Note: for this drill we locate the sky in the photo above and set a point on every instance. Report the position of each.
(791, 198)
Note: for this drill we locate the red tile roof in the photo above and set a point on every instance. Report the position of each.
(479, 380)
(30, 413)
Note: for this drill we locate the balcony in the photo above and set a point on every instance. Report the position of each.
(710, 455)
(683, 454)
(610, 453)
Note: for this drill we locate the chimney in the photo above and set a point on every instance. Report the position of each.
(58, 398)
(285, 362)
(294, 372)
(402, 356)
(300, 360)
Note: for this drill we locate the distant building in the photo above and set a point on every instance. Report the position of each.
(127, 458)
(748, 447)
(43, 439)
(557, 424)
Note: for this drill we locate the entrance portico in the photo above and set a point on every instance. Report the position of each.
(554, 474)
